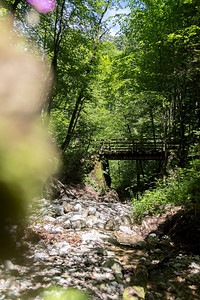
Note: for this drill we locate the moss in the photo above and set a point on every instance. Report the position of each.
(98, 176)
(134, 293)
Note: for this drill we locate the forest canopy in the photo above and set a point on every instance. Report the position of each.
(142, 82)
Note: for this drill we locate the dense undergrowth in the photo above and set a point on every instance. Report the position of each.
(182, 188)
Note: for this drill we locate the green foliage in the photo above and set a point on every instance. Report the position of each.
(92, 182)
(181, 188)
(142, 83)
(73, 166)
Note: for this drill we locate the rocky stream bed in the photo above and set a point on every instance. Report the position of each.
(77, 241)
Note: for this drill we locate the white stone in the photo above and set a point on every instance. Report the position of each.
(92, 210)
(67, 224)
(103, 216)
(92, 235)
(78, 207)
(126, 229)
(40, 256)
(61, 245)
(49, 219)
(64, 250)
(77, 217)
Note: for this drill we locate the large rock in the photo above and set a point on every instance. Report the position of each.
(138, 287)
(130, 239)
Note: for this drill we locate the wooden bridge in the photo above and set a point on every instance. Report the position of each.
(135, 149)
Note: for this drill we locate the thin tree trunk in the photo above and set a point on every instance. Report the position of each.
(80, 100)
(153, 127)
(138, 175)
(50, 82)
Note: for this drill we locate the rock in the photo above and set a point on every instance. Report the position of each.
(66, 198)
(113, 264)
(8, 265)
(78, 224)
(85, 213)
(91, 220)
(76, 218)
(59, 211)
(67, 207)
(60, 220)
(91, 210)
(140, 245)
(62, 248)
(78, 207)
(138, 287)
(126, 229)
(134, 293)
(40, 256)
(103, 216)
(11, 268)
(92, 235)
(141, 276)
(67, 224)
(128, 239)
(49, 219)
(61, 293)
(112, 225)
(117, 268)
(99, 224)
(152, 240)
(125, 221)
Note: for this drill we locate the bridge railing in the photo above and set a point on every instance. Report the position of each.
(133, 145)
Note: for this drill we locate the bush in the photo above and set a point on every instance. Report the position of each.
(181, 188)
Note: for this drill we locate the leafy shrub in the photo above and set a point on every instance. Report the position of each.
(181, 188)
(73, 167)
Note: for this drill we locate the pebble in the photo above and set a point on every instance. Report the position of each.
(77, 252)
(59, 211)
(78, 207)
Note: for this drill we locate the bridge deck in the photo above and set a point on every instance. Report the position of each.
(135, 149)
